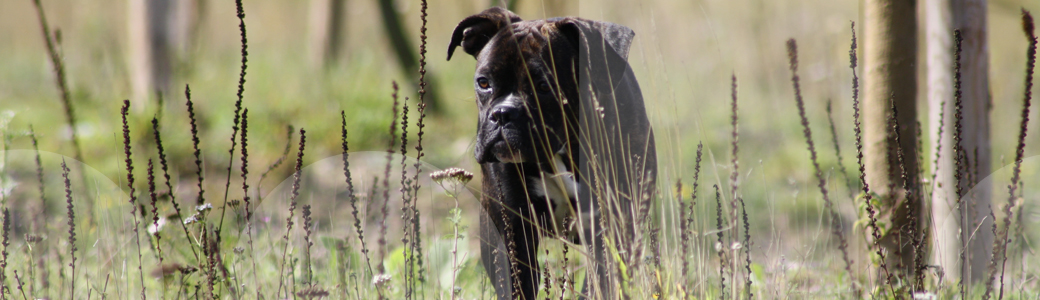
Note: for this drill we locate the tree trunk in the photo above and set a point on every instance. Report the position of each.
(890, 59)
(159, 31)
(952, 228)
(326, 31)
(408, 60)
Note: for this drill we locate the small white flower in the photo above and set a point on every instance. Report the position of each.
(204, 207)
(456, 174)
(736, 246)
(380, 280)
(155, 227)
(191, 219)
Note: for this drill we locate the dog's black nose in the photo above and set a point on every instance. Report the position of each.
(503, 114)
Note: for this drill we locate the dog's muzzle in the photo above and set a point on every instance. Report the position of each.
(502, 134)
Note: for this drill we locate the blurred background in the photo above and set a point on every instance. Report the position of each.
(310, 59)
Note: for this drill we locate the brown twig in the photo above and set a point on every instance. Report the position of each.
(133, 194)
(792, 54)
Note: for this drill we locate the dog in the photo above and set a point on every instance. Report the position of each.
(564, 143)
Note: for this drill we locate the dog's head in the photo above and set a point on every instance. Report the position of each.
(527, 81)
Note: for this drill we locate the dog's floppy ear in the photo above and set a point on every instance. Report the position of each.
(602, 49)
(595, 33)
(475, 31)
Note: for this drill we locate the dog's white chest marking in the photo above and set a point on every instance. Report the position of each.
(561, 190)
(560, 187)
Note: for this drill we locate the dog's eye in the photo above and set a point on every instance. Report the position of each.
(483, 83)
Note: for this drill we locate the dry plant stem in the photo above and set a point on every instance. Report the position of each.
(60, 80)
(511, 251)
(868, 198)
(245, 164)
(1001, 244)
(416, 239)
(6, 229)
(18, 280)
(422, 93)
(351, 193)
(688, 220)
(195, 143)
(133, 194)
(385, 211)
(409, 284)
(693, 192)
(307, 223)
(958, 150)
(684, 237)
(938, 148)
(292, 208)
(547, 281)
(155, 211)
(416, 228)
(792, 54)
(733, 177)
(837, 149)
(910, 195)
(747, 248)
(246, 200)
(243, 137)
(44, 215)
(155, 208)
(655, 248)
(279, 161)
(169, 185)
(455, 254)
(209, 249)
(3, 254)
(238, 107)
(39, 173)
(919, 139)
(735, 174)
(564, 278)
(719, 246)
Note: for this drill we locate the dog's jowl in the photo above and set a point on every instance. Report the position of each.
(565, 146)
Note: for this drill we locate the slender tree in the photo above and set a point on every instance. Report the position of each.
(952, 228)
(892, 167)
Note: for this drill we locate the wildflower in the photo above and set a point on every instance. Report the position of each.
(380, 280)
(204, 207)
(153, 229)
(452, 179)
(192, 219)
(456, 174)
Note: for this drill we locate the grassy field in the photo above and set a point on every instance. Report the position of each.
(302, 238)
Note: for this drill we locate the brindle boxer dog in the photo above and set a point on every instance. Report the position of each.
(565, 146)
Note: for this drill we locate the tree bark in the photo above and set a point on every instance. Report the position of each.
(326, 31)
(159, 31)
(408, 60)
(951, 227)
(890, 59)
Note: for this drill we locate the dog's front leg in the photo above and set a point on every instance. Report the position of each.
(509, 254)
(599, 280)
(509, 241)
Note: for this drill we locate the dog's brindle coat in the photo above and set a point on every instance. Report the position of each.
(564, 144)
